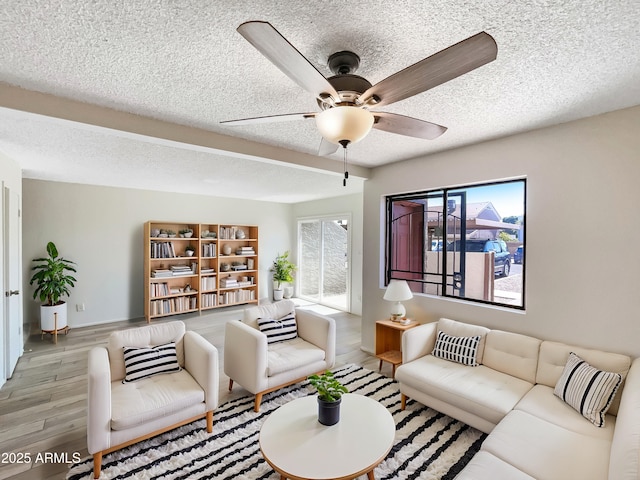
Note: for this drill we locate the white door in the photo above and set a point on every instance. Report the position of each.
(12, 295)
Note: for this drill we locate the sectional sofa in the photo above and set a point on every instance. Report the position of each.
(552, 411)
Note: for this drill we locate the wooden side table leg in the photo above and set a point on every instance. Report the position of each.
(393, 371)
(380, 366)
(370, 475)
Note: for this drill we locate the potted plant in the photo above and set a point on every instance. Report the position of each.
(282, 272)
(52, 282)
(330, 392)
(189, 250)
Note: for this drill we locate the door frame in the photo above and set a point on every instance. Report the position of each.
(321, 219)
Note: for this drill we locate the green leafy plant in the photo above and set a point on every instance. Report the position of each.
(328, 387)
(283, 269)
(51, 277)
(189, 248)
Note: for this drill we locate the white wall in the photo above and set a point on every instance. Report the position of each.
(101, 229)
(583, 197)
(351, 204)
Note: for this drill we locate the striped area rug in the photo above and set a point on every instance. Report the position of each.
(428, 444)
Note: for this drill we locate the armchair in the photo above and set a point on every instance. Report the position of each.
(123, 413)
(262, 367)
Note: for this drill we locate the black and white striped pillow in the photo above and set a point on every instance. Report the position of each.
(457, 349)
(142, 362)
(588, 390)
(284, 328)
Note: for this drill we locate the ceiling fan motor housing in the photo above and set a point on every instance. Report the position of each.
(349, 87)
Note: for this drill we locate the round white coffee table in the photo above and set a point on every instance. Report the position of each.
(299, 447)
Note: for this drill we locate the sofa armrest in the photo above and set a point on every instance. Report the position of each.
(319, 330)
(201, 361)
(245, 356)
(98, 400)
(624, 462)
(418, 341)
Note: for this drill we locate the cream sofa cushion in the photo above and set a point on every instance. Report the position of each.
(459, 329)
(141, 402)
(290, 355)
(542, 403)
(146, 336)
(554, 355)
(485, 466)
(547, 451)
(270, 310)
(479, 390)
(512, 353)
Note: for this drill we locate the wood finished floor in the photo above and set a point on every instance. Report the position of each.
(43, 406)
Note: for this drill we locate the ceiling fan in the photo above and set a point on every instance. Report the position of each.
(348, 101)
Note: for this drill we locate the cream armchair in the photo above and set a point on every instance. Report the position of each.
(120, 414)
(262, 367)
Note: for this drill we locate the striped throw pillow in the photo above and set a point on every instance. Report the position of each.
(284, 328)
(457, 349)
(588, 390)
(142, 362)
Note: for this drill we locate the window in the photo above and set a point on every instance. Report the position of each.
(460, 242)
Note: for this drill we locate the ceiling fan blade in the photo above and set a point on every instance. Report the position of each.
(326, 147)
(409, 126)
(268, 41)
(287, 117)
(439, 68)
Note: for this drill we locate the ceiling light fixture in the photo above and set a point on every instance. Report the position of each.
(343, 125)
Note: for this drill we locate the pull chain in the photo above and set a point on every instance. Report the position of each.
(344, 162)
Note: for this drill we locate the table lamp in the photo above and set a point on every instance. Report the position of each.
(397, 291)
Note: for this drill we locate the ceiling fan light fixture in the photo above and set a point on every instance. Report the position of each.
(344, 123)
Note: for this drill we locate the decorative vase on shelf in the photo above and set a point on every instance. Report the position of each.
(288, 292)
(226, 249)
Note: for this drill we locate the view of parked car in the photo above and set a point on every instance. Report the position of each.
(502, 257)
(518, 255)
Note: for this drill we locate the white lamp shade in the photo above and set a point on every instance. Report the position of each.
(398, 291)
(344, 123)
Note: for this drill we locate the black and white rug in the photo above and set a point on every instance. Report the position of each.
(428, 445)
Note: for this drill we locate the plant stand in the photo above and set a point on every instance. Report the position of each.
(55, 330)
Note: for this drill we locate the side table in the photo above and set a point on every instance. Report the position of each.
(389, 342)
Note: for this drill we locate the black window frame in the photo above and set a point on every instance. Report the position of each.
(444, 193)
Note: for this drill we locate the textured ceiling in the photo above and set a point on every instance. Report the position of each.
(184, 63)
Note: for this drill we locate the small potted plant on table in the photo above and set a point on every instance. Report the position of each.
(330, 392)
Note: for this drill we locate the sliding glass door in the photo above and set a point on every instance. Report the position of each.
(324, 261)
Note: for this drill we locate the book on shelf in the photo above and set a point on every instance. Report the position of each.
(159, 273)
(207, 270)
(245, 251)
(162, 250)
(228, 282)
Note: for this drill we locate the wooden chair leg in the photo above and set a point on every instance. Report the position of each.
(403, 401)
(230, 384)
(210, 421)
(97, 464)
(256, 406)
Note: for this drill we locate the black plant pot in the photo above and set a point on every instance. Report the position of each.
(329, 412)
